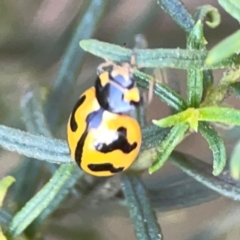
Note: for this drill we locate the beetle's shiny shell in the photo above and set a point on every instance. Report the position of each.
(102, 143)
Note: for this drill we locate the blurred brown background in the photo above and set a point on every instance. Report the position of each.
(34, 36)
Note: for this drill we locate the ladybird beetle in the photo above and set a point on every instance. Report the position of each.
(103, 139)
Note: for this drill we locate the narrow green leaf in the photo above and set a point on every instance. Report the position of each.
(213, 16)
(230, 62)
(5, 183)
(68, 186)
(150, 130)
(152, 58)
(143, 217)
(40, 201)
(209, 12)
(38, 147)
(157, 136)
(235, 162)
(178, 12)
(72, 60)
(209, 114)
(216, 95)
(220, 114)
(191, 116)
(224, 49)
(232, 7)
(216, 144)
(165, 93)
(200, 173)
(63, 192)
(165, 148)
(195, 40)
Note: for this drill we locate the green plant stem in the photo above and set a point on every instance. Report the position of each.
(141, 213)
(195, 40)
(216, 95)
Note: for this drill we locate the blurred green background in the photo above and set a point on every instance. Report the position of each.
(33, 38)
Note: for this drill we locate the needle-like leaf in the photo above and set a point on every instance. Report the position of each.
(141, 212)
(224, 49)
(153, 58)
(40, 201)
(178, 12)
(168, 144)
(217, 146)
(30, 145)
(195, 40)
(220, 114)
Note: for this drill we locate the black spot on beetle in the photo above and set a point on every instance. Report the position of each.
(93, 120)
(73, 123)
(121, 143)
(79, 148)
(104, 167)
